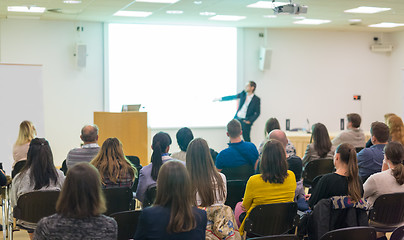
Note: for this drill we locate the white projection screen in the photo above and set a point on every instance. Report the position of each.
(175, 72)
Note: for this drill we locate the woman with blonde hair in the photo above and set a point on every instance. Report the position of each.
(26, 133)
(115, 169)
(209, 185)
(396, 127)
(173, 215)
(79, 209)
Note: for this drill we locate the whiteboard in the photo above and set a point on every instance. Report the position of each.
(21, 98)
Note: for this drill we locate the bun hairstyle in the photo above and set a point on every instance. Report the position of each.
(395, 153)
(348, 156)
(160, 143)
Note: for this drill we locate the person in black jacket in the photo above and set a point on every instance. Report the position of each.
(249, 108)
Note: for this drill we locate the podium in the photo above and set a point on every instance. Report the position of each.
(129, 127)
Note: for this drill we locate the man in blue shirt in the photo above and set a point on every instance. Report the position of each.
(370, 159)
(239, 153)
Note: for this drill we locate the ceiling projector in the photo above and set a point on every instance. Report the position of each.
(291, 8)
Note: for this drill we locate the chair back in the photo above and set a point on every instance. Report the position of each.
(127, 223)
(33, 206)
(398, 234)
(17, 168)
(388, 209)
(235, 192)
(277, 237)
(118, 199)
(357, 233)
(150, 196)
(272, 219)
(136, 162)
(243, 172)
(358, 149)
(316, 168)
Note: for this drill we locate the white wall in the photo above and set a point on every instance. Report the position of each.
(71, 95)
(395, 82)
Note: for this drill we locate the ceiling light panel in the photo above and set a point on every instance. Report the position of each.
(227, 18)
(312, 21)
(367, 10)
(27, 9)
(387, 25)
(266, 4)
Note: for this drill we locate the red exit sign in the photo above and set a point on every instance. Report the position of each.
(357, 97)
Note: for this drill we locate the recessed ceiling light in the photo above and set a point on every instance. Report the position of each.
(158, 1)
(368, 10)
(312, 21)
(26, 9)
(387, 25)
(355, 20)
(72, 1)
(266, 4)
(227, 18)
(174, 12)
(270, 16)
(132, 14)
(207, 13)
(197, 2)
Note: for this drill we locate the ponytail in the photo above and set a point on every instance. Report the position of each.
(348, 155)
(398, 173)
(160, 143)
(395, 154)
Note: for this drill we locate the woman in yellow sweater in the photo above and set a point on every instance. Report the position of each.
(275, 184)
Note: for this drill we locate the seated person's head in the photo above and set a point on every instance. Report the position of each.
(387, 115)
(161, 145)
(394, 155)
(280, 136)
(234, 129)
(89, 133)
(271, 124)
(184, 137)
(81, 195)
(379, 133)
(354, 120)
(273, 165)
(174, 191)
(27, 132)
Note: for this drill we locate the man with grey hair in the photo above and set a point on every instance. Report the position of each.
(89, 149)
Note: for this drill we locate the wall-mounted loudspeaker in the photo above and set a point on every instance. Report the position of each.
(265, 58)
(81, 55)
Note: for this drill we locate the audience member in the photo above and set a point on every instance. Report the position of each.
(396, 127)
(353, 135)
(343, 182)
(79, 209)
(208, 184)
(173, 215)
(39, 173)
(320, 144)
(184, 137)
(273, 124)
(239, 153)
(275, 184)
(26, 133)
(90, 148)
(386, 117)
(115, 169)
(148, 174)
(370, 159)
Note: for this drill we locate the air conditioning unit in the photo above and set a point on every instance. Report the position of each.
(381, 48)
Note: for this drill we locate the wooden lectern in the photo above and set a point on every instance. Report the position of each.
(129, 127)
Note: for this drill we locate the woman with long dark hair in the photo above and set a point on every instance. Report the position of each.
(320, 144)
(114, 168)
(173, 215)
(208, 184)
(344, 181)
(148, 174)
(39, 173)
(275, 184)
(79, 209)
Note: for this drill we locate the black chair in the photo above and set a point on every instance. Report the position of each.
(64, 167)
(358, 149)
(118, 199)
(136, 162)
(398, 234)
(356, 233)
(387, 212)
(235, 192)
(127, 223)
(277, 237)
(316, 168)
(272, 219)
(150, 196)
(243, 172)
(17, 168)
(33, 206)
